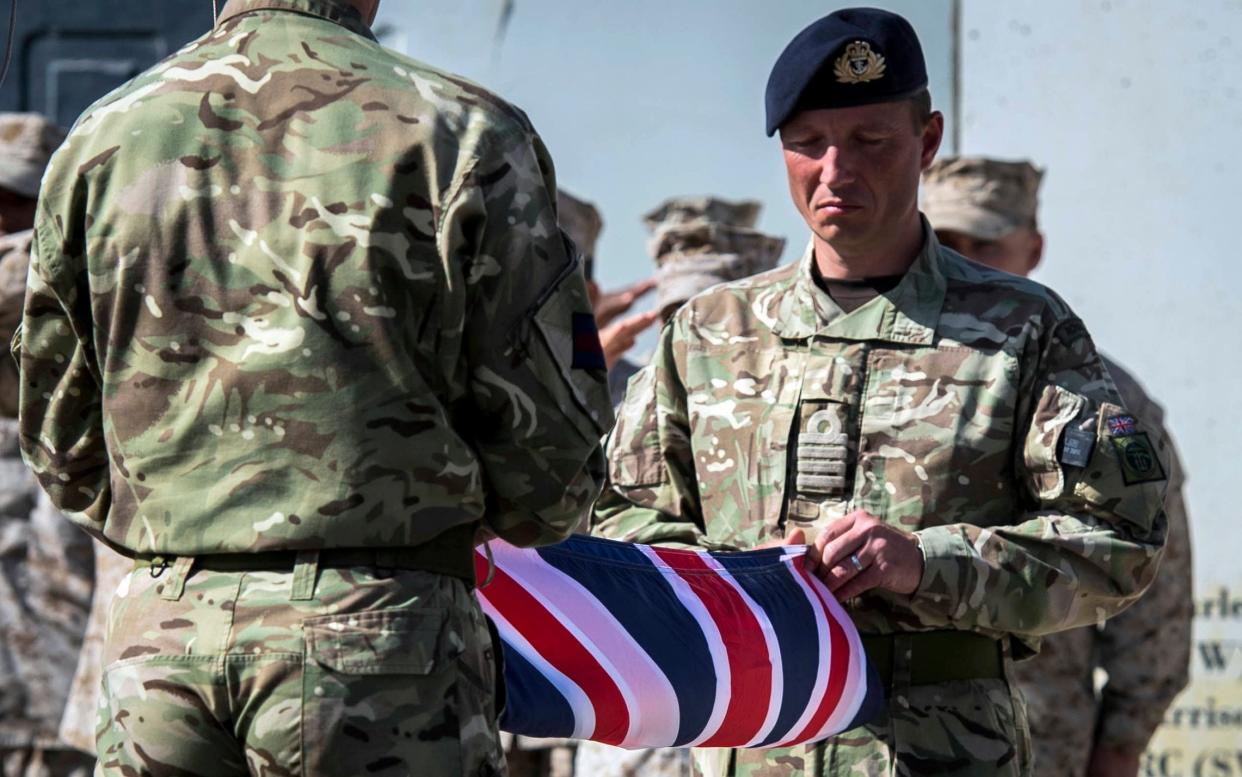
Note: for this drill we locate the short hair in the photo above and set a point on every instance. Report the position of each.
(920, 109)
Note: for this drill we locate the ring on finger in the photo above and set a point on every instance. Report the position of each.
(857, 564)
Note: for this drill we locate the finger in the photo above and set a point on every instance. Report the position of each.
(643, 287)
(857, 585)
(832, 531)
(839, 549)
(795, 537)
(632, 326)
(837, 573)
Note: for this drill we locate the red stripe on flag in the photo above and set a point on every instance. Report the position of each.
(559, 647)
(837, 670)
(750, 667)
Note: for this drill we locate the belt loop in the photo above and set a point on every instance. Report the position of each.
(174, 585)
(305, 573)
(491, 564)
(903, 660)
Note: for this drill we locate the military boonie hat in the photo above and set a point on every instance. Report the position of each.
(684, 210)
(697, 255)
(27, 142)
(855, 56)
(583, 223)
(980, 197)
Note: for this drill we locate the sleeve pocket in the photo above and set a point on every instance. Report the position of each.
(394, 641)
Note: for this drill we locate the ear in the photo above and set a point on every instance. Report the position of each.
(1035, 252)
(933, 134)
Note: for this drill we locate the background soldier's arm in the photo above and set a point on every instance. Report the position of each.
(1090, 543)
(537, 407)
(1146, 649)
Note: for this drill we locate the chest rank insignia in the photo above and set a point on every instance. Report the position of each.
(859, 64)
(822, 453)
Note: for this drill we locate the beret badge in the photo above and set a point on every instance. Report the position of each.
(858, 64)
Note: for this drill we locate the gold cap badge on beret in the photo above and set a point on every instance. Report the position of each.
(858, 64)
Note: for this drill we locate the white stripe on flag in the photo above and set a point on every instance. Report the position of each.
(584, 711)
(774, 650)
(654, 711)
(825, 656)
(715, 644)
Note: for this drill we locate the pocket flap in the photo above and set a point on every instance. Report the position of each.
(395, 641)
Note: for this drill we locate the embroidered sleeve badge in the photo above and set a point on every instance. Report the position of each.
(859, 64)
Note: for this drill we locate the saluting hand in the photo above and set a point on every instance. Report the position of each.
(609, 305)
(860, 552)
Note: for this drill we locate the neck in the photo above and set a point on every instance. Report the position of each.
(893, 257)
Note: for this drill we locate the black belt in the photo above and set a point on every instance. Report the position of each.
(938, 656)
(451, 553)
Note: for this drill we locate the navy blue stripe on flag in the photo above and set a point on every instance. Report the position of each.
(651, 613)
(534, 706)
(784, 602)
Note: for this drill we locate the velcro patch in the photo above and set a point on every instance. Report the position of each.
(1076, 447)
(588, 352)
(1137, 458)
(1122, 425)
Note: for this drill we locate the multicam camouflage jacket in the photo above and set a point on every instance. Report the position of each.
(1145, 650)
(293, 290)
(966, 404)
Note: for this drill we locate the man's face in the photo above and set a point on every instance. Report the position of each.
(17, 212)
(854, 172)
(1018, 252)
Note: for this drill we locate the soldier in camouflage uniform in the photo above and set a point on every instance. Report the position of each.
(300, 330)
(45, 562)
(945, 435)
(986, 209)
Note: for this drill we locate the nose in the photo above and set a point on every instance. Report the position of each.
(834, 170)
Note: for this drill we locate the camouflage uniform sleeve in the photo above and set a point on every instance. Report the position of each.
(1090, 540)
(651, 495)
(1146, 649)
(60, 414)
(538, 402)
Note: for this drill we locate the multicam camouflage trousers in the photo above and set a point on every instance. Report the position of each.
(964, 728)
(368, 672)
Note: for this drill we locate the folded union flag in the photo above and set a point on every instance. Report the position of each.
(642, 646)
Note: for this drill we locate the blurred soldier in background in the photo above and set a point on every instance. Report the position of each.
(986, 209)
(301, 330)
(698, 242)
(45, 561)
(618, 331)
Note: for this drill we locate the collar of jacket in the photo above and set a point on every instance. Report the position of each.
(907, 314)
(338, 11)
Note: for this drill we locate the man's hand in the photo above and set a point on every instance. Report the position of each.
(618, 337)
(608, 305)
(860, 552)
(1112, 762)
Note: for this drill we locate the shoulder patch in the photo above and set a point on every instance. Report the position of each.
(1137, 459)
(1122, 425)
(588, 352)
(1076, 447)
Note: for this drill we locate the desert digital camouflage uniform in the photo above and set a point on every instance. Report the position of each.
(294, 293)
(939, 407)
(1145, 651)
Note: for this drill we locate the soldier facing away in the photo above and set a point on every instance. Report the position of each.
(987, 210)
(301, 330)
(963, 467)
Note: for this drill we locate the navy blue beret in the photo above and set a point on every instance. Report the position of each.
(855, 56)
